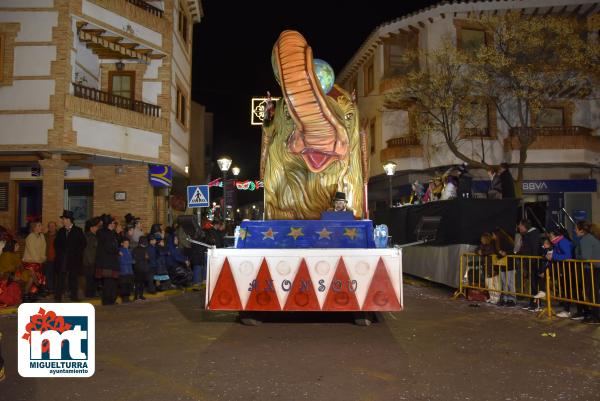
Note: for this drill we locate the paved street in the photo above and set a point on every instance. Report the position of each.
(438, 349)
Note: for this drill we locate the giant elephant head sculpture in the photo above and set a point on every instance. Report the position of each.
(312, 145)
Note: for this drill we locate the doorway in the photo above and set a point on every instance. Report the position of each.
(79, 197)
(29, 204)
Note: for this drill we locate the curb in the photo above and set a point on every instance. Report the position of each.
(98, 302)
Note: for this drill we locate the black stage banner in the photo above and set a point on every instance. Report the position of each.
(462, 220)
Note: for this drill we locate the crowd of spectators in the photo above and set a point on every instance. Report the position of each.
(108, 257)
(577, 280)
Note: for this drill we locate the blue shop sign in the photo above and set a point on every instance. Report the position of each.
(558, 186)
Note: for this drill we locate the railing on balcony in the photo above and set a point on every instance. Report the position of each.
(550, 131)
(149, 8)
(410, 140)
(476, 132)
(96, 95)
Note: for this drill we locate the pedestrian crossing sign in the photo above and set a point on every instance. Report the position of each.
(197, 196)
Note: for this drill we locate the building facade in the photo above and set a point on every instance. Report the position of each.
(567, 148)
(201, 145)
(92, 92)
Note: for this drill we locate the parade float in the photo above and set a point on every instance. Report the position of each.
(301, 257)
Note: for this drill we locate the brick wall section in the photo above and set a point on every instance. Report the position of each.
(53, 183)
(133, 181)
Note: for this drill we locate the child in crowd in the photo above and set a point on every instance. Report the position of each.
(161, 276)
(126, 271)
(140, 267)
(486, 250)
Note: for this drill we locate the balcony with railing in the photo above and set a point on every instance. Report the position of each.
(96, 95)
(402, 147)
(550, 131)
(147, 7)
(560, 137)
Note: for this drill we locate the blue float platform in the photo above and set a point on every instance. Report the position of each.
(276, 234)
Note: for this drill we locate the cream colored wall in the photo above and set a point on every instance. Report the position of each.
(179, 156)
(25, 129)
(116, 138)
(36, 26)
(180, 76)
(27, 95)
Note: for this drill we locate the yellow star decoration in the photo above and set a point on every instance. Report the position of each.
(324, 233)
(269, 234)
(244, 233)
(350, 233)
(295, 232)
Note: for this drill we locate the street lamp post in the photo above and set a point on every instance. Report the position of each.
(390, 170)
(224, 164)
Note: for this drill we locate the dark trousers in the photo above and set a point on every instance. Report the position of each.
(140, 283)
(109, 291)
(125, 286)
(49, 272)
(61, 282)
(90, 284)
(538, 279)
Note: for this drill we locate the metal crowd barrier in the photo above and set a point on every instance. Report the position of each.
(569, 281)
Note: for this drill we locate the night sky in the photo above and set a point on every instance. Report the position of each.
(232, 50)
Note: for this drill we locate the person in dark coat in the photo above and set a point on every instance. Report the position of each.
(215, 235)
(89, 256)
(152, 262)
(68, 245)
(198, 259)
(107, 259)
(531, 245)
(141, 256)
(161, 276)
(495, 191)
(465, 183)
(508, 183)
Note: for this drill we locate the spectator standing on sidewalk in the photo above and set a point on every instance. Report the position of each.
(69, 246)
(140, 267)
(107, 259)
(34, 257)
(589, 249)
(563, 250)
(492, 283)
(530, 246)
(126, 271)
(503, 244)
(89, 256)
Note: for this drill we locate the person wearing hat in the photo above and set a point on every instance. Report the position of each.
(107, 259)
(68, 246)
(340, 203)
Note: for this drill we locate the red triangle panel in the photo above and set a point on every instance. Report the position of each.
(381, 295)
(339, 297)
(302, 298)
(225, 295)
(262, 297)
